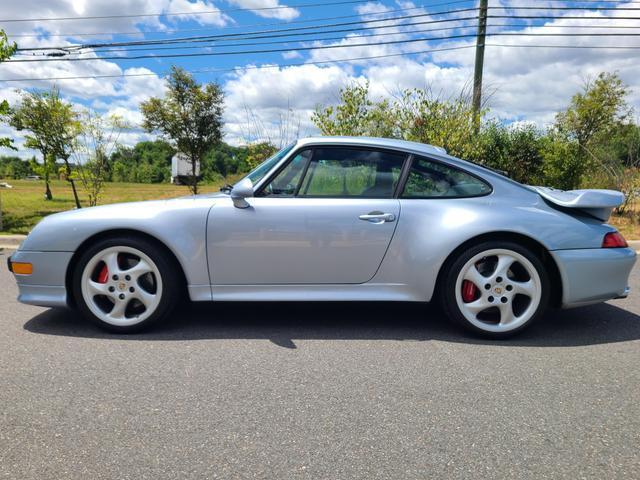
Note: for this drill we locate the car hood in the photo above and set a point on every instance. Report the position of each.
(138, 209)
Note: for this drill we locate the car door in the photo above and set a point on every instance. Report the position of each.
(326, 217)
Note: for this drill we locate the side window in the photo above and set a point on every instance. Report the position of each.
(429, 179)
(345, 172)
(286, 181)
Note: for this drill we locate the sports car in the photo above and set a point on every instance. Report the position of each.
(337, 219)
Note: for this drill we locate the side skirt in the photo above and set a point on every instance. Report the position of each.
(315, 293)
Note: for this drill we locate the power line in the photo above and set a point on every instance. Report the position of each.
(167, 14)
(176, 30)
(319, 47)
(507, 7)
(276, 42)
(345, 60)
(282, 7)
(564, 17)
(348, 30)
(278, 32)
(403, 32)
(593, 47)
(248, 67)
(594, 1)
(244, 34)
(561, 26)
(245, 52)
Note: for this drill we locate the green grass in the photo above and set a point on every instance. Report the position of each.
(24, 205)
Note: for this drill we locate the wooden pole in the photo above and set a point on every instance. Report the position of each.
(479, 63)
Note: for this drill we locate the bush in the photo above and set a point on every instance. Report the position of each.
(515, 150)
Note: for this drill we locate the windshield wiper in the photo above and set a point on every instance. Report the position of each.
(226, 188)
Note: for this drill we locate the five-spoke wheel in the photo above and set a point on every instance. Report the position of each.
(496, 288)
(123, 283)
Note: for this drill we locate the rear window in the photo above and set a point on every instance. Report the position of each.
(429, 179)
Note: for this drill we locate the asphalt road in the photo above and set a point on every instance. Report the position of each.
(293, 391)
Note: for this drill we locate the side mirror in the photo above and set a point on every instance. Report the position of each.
(241, 190)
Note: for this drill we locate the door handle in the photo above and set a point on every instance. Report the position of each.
(378, 217)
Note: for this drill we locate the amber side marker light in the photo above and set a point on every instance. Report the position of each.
(614, 240)
(20, 268)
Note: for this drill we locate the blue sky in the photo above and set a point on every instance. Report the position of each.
(522, 84)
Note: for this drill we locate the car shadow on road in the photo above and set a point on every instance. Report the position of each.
(284, 323)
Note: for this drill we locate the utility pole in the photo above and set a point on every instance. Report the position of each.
(477, 74)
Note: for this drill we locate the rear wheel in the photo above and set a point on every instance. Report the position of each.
(496, 289)
(125, 284)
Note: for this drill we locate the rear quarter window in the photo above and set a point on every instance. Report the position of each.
(430, 179)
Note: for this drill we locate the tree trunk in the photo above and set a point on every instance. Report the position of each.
(73, 184)
(47, 190)
(194, 177)
(75, 194)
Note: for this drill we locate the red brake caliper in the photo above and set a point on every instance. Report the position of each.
(104, 274)
(469, 291)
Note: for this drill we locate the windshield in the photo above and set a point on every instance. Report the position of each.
(261, 170)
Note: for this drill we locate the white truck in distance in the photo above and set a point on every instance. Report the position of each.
(181, 169)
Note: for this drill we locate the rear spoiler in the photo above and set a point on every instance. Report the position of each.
(597, 203)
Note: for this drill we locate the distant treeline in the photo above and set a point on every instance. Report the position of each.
(146, 162)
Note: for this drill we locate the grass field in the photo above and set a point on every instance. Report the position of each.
(24, 205)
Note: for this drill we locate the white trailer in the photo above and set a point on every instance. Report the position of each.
(181, 171)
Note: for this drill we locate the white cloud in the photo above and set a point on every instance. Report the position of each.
(212, 17)
(279, 13)
(291, 55)
(97, 27)
(259, 102)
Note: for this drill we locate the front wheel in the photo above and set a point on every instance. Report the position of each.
(125, 284)
(495, 289)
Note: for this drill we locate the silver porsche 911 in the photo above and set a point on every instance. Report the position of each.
(337, 219)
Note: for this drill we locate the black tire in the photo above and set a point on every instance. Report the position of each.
(447, 288)
(172, 281)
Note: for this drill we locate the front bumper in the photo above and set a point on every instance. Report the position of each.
(594, 275)
(46, 285)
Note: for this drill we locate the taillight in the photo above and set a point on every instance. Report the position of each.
(614, 240)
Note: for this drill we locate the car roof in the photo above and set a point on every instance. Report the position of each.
(374, 142)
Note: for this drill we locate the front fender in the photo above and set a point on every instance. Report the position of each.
(180, 224)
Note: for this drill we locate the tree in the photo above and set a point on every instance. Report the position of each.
(54, 126)
(64, 128)
(593, 117)
(30, 116)
(258, 153)
(562, 166)
(597, 111)
(515, 150)
(14, 167)
(189, 116)
(416, 115)
(450, 123)
(356, 115)
(6, 50)
(92, 149)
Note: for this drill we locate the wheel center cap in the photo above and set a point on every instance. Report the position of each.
(122, 285)
(498, 290)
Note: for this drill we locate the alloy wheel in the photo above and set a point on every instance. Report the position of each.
(498, 290)
(121, 286)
